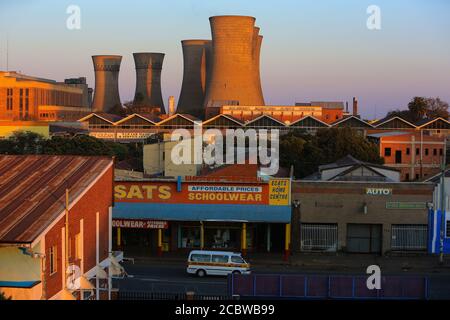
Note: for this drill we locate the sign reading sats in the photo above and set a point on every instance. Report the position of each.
(277, 192)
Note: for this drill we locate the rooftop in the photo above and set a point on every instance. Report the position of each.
(32, 191)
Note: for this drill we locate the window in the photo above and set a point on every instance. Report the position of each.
(434, 152)
(417, 176)
(53, 259)
(417, 151)
(426, 151)
(219, 258)
(9, 99)
(236, 259)
(441, 152)
(408, 151)
(407, 177)
(189, 237)
(201, 258)
(387, 152)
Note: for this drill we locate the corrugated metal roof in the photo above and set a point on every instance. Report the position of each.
(32, 191)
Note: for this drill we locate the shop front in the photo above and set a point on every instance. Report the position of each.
(153, 217)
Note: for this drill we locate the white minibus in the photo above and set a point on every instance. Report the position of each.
(202, 263)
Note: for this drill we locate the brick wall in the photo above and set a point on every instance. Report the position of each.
(97, 199)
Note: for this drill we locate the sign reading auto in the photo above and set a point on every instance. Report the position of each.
(211, 193)
(378, 191)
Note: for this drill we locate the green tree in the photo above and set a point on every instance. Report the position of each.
(307, 152)
(420, 108)
(26, 142)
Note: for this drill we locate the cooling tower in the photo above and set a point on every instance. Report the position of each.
(256, 59)
(148, 79)
(234, 74)
(106, 94)
(196, 61)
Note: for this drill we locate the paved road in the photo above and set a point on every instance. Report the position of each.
(172, 278)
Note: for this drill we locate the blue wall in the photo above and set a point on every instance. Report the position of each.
(434, 233)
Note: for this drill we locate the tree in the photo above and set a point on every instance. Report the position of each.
(26, 142)
(306, 152)
(437, 108)
(420, 108)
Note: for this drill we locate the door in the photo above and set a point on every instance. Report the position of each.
(364, 238)
(398, 156)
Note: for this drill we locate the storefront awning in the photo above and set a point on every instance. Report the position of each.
(202, 212)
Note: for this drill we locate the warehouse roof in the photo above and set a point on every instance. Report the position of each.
(32, 191)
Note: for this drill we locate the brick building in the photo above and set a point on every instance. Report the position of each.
(24, 97)
(360, 216)
(34, 248)
(417, 155)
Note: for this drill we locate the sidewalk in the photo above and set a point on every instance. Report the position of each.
(327, 262)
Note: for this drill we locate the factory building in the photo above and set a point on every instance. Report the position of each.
(27, 98)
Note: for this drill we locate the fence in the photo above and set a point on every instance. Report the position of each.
(318, 237)
(325, 287)
(148, 295)
(409, 237)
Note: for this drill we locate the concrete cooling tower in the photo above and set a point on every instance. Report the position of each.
(106, 94)
(196, 73)
(148, 79)
(235, 62)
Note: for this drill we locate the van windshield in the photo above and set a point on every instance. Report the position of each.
(237, 259)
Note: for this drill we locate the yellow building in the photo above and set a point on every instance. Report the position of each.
(7, 128)
(157, 159)
(25, 98)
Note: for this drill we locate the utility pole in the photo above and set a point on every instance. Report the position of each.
(66, 236)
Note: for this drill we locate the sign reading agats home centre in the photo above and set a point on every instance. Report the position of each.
(276, 192)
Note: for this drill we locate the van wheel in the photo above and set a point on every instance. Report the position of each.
(201, 273)
(236, 272)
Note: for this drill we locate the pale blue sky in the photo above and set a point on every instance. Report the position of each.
(312, 49)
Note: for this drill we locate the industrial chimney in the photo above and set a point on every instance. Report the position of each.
(106, 94)
(148, 80)
(235, 54)
(196, 60)
(355, 106)
(171, 105)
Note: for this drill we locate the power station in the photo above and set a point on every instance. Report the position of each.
(217, 72)
(196, 73)
(148, 79)
(235, 62)
(106, 95)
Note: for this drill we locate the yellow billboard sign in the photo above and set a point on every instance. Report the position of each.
(279, 192)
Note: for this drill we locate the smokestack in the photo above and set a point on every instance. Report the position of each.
(355, 106)
(148, 79)
(196, 61)
(106, 94)
(234, 75)
(171, 105)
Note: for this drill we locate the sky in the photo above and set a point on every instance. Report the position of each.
(312, 50)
